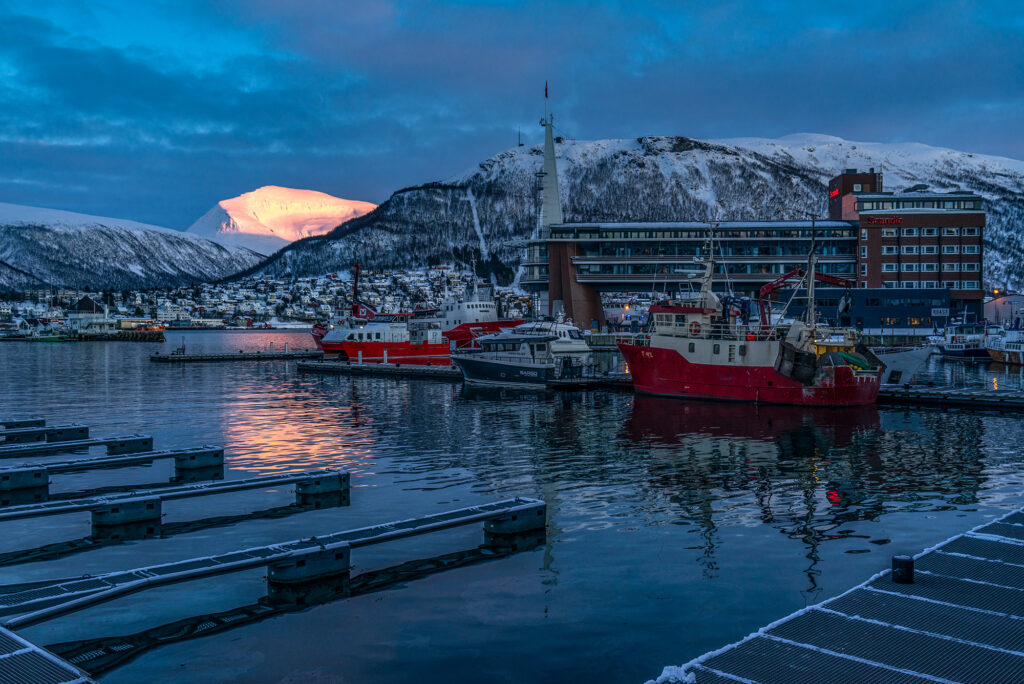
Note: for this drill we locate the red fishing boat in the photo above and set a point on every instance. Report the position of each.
(702, 350)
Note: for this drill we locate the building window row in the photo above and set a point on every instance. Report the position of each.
(924, 284)
(875, 205)
(927, 267)
(923, 232)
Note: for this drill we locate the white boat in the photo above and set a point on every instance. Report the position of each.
(902, 363)
(1007, 347)
(568, 339)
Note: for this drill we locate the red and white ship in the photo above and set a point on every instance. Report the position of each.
(700, 350)
(463, 320)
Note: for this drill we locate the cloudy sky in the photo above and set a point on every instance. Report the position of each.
(156, 110)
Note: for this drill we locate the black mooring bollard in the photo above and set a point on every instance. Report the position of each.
(903, 569)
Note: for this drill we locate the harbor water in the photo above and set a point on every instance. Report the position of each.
(674, 527)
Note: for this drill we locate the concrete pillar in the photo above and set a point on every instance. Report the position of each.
(532, 518)
(311, 565)
(130, 445)
(15, 423)
(132, 519)
(17, 497)
(197, 460)
(66, 434)
(23, 478)
(324, 491)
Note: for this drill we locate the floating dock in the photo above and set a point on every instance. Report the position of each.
(960, 619)
(1005, 400)
(120, 505)
(41, 433)
(381, 369)
(237, 356)
(22, 661)
(127, 444)
(288, 562)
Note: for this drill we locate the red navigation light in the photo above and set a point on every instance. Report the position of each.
(834, 192)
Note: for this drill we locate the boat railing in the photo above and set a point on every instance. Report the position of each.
(723, 331)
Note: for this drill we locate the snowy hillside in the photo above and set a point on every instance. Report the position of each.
(43, 246)
(269, 218)
(490, 209)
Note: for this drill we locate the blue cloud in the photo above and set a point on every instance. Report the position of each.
(155, 111)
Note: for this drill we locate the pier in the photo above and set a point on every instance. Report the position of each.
(23, 661)
(1000, 400)
(41, 433)
(121, 508)
(395, 370)
(291, 562)
(126, 444)
(953, 613)
(237, 356)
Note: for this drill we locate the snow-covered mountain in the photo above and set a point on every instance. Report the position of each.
(490, 209)
(269, 218)
(39, 247)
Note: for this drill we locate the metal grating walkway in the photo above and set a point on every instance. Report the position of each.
(22, 662)
(70, 594)
(962, 620)
(204, 488)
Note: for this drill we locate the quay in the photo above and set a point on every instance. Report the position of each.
(957, 617)
(237, 356)
(291, 562)
(381, 369)
(1006, 400)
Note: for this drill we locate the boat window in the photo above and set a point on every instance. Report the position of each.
(378, 336)
(692, 347)
(717, 349)
(575, 335)
(542, 347)
(743, 350)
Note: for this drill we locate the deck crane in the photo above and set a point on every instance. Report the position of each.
(795, 273)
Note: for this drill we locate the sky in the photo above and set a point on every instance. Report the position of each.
(154, 111)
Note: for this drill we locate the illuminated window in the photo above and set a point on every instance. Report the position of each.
(888, 232)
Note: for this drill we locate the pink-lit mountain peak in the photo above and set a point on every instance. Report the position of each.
(270, 217)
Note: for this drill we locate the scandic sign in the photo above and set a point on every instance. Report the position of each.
(834, 192)
(885, 220)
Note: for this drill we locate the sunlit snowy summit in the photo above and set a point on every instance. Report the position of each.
(267, 219)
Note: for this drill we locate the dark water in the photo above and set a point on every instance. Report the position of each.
(675, 527)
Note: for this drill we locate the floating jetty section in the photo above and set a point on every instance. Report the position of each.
(22, 662)
(381, 369)
(1000, 400)
(237, 356)
(41, 433)
(953, 613)
(126, 444)
(291, 562)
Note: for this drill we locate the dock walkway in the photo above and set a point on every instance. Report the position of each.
(382, 369)
(1007, 400)
(237, 356)
(22, 661)
(961, 620)
(62, 596)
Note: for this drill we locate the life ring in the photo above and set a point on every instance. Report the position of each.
(695, 328)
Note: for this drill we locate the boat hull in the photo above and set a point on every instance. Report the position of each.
(665, 372)
(964, 353)
(403, 353)
(1015, 358)
(464, 335)
(481, 371)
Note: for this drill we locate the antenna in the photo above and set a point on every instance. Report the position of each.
(520, 129)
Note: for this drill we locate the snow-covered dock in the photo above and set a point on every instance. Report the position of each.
(318, 480)
(126, 444)
(41, 433)
(960, 620)
(381, 369)
(238, 356)
(23, 661)
(1006, 400)
(294, 561)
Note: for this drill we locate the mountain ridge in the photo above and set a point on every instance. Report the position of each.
(488, 210)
